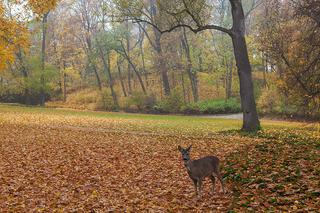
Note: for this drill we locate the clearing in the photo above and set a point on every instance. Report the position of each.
(68, 160)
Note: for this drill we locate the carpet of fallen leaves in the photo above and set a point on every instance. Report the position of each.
(281, 174)
(53, 162)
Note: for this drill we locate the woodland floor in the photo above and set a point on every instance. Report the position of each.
(77, 161)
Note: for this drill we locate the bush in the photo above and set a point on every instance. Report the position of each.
(106, 101)
(213, 107)
(139, 101)
(269, 101)
(273, 102)
(172, 103)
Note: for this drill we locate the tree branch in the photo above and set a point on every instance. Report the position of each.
(195, 30)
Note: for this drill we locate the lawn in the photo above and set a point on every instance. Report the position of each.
(68, 160)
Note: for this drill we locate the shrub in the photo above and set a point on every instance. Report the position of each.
(173, 103)
(106, 101)
(139, 101)
(269, 101)
(213, 107)
(192, 108)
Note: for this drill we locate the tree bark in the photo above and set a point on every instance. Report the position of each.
(250, 115)
(43, 58)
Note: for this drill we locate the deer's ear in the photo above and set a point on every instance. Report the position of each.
(188, 149)
(180, 148)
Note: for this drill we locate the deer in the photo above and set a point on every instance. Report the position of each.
(201, 168)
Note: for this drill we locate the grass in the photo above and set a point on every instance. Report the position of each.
(164, 123)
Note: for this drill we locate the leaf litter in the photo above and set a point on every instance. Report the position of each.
(80, 164)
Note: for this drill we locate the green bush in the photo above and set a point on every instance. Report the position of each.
(139, 101)
(172, 103)
(213, 107)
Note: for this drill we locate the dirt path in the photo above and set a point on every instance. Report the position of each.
(238, 116)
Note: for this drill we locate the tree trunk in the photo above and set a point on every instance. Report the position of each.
(43, 58)
(250, 115)
(129, 66)
(64, 82)
(135, 71)
(265, 70)
(229, 68)
(121, 80)
(161, 65)
(111, 82)
(96, 74)
(191, 72)
(25, 75)
(106, 65)
(183, 87)
(143, 59)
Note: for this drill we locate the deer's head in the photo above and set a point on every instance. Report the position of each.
(185, 152)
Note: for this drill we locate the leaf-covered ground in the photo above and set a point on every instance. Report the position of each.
(86, 161)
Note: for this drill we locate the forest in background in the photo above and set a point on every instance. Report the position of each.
(92, 55)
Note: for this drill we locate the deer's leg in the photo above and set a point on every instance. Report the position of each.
(200, 187)
(195, 182)
(213, 180)
(221, 181)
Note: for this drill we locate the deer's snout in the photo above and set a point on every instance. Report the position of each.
(185, 157)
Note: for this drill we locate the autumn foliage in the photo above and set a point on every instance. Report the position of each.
(13, 35)
(43, 6)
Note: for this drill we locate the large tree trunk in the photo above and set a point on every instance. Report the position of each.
(250, 115)
(43, 58)
(191, 72)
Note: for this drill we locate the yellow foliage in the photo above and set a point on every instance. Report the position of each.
(13, 35)
(40, 7)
